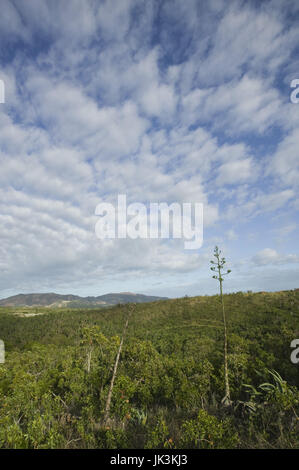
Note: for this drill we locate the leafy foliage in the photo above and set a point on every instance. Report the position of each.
(170, 379)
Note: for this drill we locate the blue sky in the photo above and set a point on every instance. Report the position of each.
(164, 101)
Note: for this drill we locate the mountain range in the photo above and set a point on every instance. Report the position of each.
(57, 300)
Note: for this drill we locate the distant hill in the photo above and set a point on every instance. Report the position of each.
(57, 300)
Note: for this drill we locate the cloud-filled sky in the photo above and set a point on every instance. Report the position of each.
(161, 100)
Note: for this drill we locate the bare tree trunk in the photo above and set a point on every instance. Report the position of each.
(227, 390)
(218, 265)
(89, 360)
(226, 400)
(108, 402)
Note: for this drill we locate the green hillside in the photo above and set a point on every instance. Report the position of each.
(169, 383)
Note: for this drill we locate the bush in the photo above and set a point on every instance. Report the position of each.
(207, 432)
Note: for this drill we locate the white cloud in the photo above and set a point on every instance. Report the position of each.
(260, 203)
(231, 235)
(270, 256)
(285, 162)
(261, 42)
(162, 104)
(236, 172)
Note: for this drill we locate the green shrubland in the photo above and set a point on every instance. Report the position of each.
(170, 380)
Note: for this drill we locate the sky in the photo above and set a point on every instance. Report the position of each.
(163, 101)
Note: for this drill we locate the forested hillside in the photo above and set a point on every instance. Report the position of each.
(170, 381)
(75, 301)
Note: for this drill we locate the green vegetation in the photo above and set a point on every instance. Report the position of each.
(170, 377)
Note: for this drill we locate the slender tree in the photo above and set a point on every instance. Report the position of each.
(218, 267)
(108, 401)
